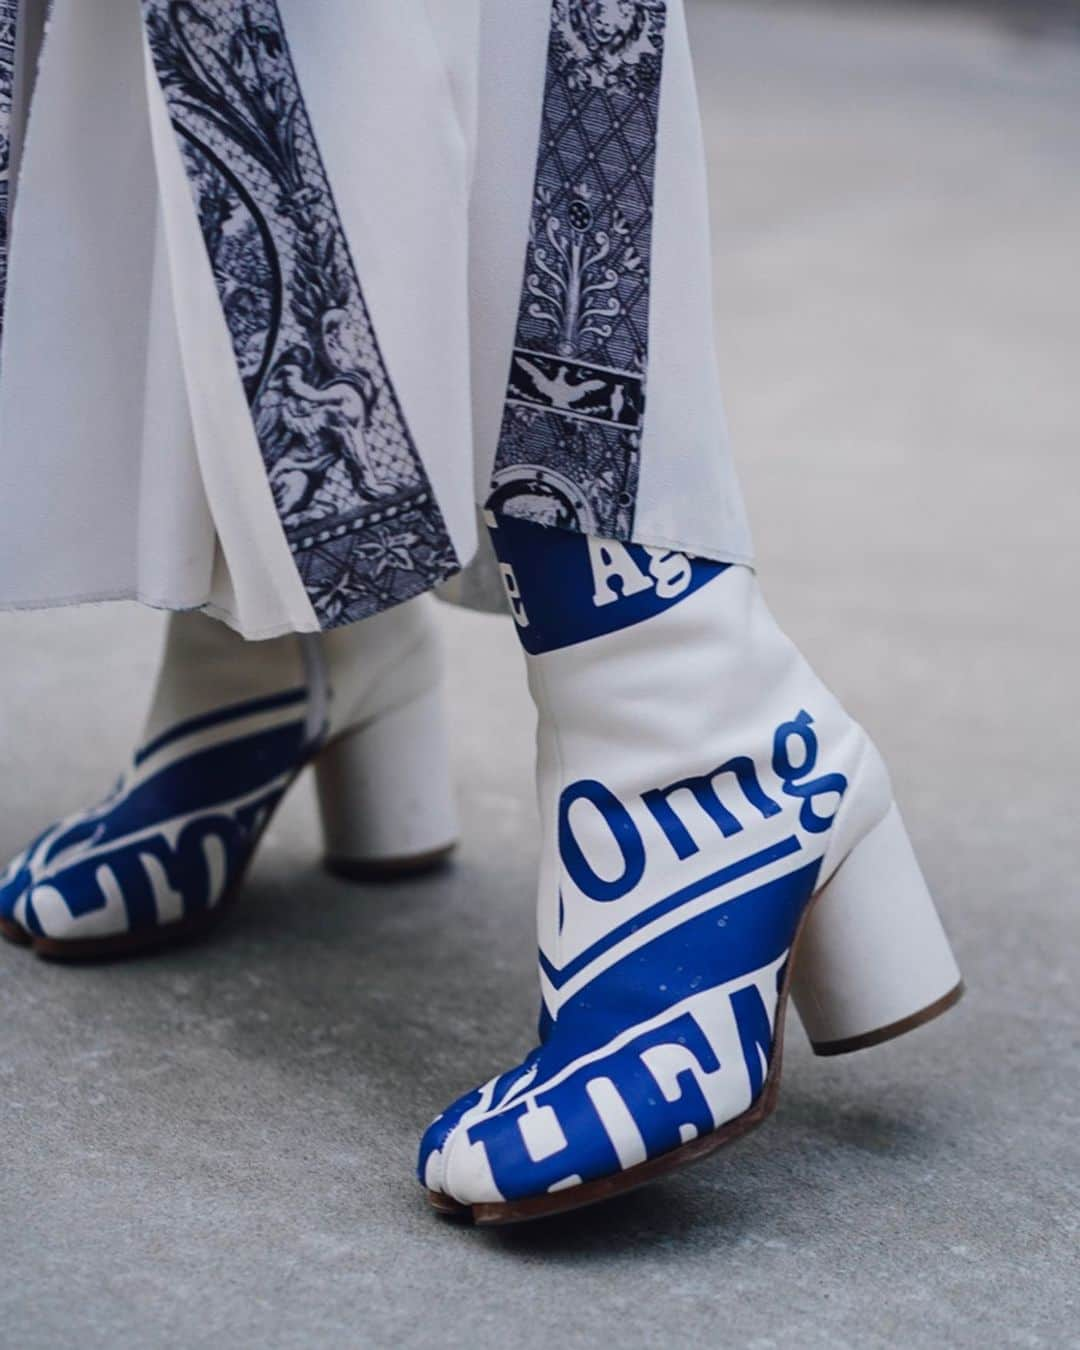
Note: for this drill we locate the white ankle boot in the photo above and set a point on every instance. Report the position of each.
(232, 725)
(717, 833)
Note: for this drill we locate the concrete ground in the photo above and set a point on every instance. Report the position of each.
(215, 1147)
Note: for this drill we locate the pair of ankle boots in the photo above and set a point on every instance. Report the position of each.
(718, 837)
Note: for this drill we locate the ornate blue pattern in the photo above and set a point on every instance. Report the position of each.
(353, 496)
(571, 435)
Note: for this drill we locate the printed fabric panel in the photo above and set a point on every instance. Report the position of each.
(570, 444)
(351, 491)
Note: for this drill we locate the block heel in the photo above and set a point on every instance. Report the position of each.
(384, 794)
(873, 961)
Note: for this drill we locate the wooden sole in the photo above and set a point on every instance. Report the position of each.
(594, 1192)
(11, 932)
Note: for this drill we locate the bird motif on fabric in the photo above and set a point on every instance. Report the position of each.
(559, 392)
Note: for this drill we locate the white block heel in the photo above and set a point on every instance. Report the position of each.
(384, 793)
(873, 960)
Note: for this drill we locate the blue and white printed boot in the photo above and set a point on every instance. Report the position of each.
(232, 725)
(718, 833)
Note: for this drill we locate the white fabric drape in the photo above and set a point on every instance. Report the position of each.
(130, 464)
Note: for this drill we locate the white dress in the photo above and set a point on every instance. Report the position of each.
(294, 285)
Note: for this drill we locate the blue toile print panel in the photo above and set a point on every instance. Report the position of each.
(569, 450)
(9, 15)
(358, 510)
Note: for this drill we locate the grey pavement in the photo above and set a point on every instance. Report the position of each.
(214, 1148)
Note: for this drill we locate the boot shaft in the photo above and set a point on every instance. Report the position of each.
(339, 680)
(685, 748)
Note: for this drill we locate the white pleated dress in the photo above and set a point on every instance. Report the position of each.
(293, 286)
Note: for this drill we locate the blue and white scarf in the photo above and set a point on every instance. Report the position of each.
(352, 493)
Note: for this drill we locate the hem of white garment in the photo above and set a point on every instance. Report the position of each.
(171, 606)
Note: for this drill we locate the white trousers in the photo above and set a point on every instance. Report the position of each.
(293, 287)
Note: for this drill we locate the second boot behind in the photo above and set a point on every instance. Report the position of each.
(232, 724)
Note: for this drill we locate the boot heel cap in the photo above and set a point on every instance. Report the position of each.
(375, 870)
(888, 1033)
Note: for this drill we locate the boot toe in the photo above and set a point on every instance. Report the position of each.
(438, 1139)
(15, 884)
(55, 849)
(466, 1173)
(59, 912)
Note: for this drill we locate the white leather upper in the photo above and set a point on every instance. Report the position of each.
(706, 681)
(371, 667)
